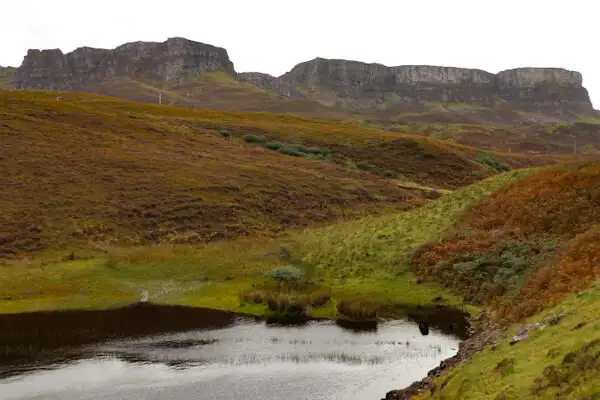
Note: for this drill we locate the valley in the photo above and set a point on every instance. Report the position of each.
(343, 191)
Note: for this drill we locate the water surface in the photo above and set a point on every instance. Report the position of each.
(178, 353)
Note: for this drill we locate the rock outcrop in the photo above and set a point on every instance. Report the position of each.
(349, 85)
(374, 85)
(172, 62)
(6, 74)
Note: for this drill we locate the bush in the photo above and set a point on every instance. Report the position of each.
(254, 297)
(488, 161)
(287, 273)
(254, 139)
(290, 151)
(388, 174)
(224, 133)
(320, 297)
(274, 146)
(357, 309)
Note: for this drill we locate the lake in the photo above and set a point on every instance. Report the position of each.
(160, 352)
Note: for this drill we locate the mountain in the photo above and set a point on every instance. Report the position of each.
(200, 75)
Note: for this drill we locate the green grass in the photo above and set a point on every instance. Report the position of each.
(588, 119)
(380, 246)
(481, 378)
(367, 257)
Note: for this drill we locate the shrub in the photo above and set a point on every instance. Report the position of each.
(388, 174)
(254, 139)
(287, 273)
(274, 146)
(290, 151)
(505, 367)
(357, 309)
(490, 162)
(316, 150)
(224, 133)
(320, 297)
(254, 297)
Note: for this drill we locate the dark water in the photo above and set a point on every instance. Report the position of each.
(152, 352)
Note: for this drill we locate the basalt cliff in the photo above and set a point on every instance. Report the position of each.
(323, 84)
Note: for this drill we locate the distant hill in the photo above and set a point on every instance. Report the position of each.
(199, 75)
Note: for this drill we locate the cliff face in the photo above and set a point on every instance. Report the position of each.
(171, 62)
(375, 85)
(6, 74)
(345, 85)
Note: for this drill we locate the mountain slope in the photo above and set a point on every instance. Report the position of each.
(91, 168)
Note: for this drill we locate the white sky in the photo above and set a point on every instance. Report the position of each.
(272, 36)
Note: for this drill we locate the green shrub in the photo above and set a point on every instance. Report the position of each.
(299, 148)
(225, 133)
(290, 151)
(274, 146)
(287, 273)
(388, 174)
(490, 162)
(254, 139)
(495, 272)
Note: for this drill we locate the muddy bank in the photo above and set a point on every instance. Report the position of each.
(482, 334)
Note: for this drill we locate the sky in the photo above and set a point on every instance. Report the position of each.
(272, 36)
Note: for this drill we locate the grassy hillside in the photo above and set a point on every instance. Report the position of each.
(86, 168)
(530, 253)
(558, 361)
(91, 169)
(527, 245)
(582, 137)
(364, 261)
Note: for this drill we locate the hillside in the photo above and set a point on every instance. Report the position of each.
(91, 168)
(200, 75)
(529, 253)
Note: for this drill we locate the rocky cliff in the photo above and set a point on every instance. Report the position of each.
(363, 85)
(6, 74)
(172, 62)
(340, 84)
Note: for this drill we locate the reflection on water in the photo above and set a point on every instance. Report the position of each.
(150, 352)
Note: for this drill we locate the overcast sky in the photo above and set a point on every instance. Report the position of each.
(272, 36)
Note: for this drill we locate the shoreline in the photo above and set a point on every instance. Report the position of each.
(483, 334)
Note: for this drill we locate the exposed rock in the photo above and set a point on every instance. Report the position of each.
(363, 85)
(6, 75)
(172, 62)
(258, 79)
(518, 338)
(552, 93)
